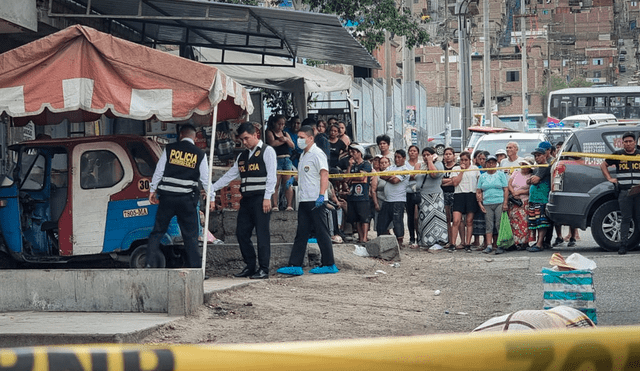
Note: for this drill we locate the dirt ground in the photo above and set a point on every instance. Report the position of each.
(359, 303)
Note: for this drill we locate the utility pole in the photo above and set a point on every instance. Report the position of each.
(389, 78)
(523, 33)
(487, 65)
(408, 72)
(464, 9)
(447, 104)
(548, 61)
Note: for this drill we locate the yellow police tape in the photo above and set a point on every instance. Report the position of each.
(602, 155)
(613, 348)
(411, 172)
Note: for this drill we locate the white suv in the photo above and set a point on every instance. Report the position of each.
(527, 142)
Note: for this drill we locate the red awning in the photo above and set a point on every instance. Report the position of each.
(80, 73)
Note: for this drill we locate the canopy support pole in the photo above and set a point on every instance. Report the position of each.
(208, 198)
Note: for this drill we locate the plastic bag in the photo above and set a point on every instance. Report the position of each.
(361, 251)
(505, 234)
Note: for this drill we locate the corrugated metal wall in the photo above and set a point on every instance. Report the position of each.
(435, 119)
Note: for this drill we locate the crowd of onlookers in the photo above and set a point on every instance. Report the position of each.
(458, 206)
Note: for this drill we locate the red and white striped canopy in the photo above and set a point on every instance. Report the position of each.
(80, 73)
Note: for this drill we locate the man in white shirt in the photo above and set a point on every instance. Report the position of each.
(313, 181)
(395, 192)
(256, 166)
(512, 157)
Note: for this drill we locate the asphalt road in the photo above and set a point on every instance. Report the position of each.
(616, 280)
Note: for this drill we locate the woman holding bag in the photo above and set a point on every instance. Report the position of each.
(492, 195)
(432, 221)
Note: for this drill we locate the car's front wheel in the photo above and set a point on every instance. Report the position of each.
(605, 227)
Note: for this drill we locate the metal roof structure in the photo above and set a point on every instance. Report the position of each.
(249, 29)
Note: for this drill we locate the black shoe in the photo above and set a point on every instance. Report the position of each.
(260, 275)
(246, 272)
(622, 250)
(572, 242)
(546, 246)
(206, 277)
(559, 241)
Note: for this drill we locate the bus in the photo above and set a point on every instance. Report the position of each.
(621, 101)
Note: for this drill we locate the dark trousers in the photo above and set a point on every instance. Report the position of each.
(413, 199)
(311, 218)
(629, 208)
(391, 212)
(251, 216)
(184, 207)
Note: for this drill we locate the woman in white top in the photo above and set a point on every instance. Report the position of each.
(464, 199)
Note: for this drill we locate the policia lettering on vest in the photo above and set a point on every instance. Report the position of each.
(627, 177)
(174, 187)
(256, 166)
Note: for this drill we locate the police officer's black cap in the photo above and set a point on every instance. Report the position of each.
(628, 134)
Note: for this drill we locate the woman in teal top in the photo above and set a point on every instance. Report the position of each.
(492, 195)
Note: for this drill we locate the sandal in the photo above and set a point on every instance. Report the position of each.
(289, 208)
(275, 209)
(414, 246)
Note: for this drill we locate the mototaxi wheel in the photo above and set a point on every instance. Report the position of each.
(138, 258)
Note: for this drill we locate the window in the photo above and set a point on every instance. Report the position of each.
(513, 76)
(633, 101)
(634, 3)
(59, 170)
(598, 61)
(584, 101)
(33, 165)
(616, 101)
(142, 158)
(545, 11)
(100, 169)
(597, 74)
(599, 102)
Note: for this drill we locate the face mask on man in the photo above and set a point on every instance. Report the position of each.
(302, 143)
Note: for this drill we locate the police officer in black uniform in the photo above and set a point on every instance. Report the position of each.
(256, 166)
(628, 176)
(175, 187)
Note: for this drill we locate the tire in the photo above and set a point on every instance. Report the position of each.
(605, 227)
(440, 149)
(138, 259)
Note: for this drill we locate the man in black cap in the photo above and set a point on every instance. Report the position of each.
(257, 166)
(174, 187)
(628, 177)
(359, 211)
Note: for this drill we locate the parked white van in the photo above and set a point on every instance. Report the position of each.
(582, 121)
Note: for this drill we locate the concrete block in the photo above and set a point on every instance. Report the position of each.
(185, 291)
(384, 247)
(102, 290)
(226, 259)
(282, 227)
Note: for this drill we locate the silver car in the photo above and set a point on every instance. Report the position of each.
(437, 141)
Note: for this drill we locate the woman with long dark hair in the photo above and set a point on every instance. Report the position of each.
(432, 222)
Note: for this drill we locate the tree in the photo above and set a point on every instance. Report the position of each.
(372, 17)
